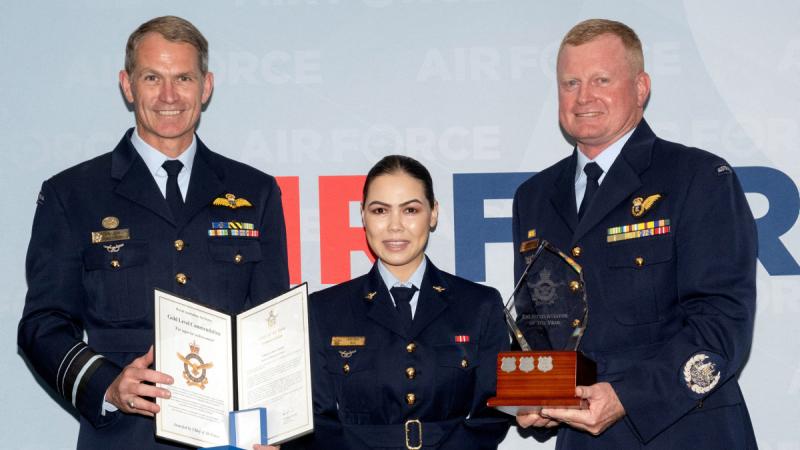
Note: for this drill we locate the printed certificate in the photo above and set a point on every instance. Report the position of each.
(195, 345)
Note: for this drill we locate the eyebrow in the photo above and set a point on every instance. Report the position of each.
(378, 202)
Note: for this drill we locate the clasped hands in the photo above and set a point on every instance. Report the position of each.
(604, 410)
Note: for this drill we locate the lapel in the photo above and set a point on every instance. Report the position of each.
(375, 297)
(622, 179)
(563, 198)
(205, 183)
(136, 183)
(432, 302)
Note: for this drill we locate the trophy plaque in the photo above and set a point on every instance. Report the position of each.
(546, 314)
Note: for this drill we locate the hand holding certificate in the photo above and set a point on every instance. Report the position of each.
(219, 365)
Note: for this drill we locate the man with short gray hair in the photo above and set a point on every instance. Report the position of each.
(159, 211)
(667, 243)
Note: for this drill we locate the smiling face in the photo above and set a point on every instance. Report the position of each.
(600, 95)
(398, 220)
(167, 90)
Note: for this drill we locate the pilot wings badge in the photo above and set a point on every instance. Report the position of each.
(232, 202)
(642, 205)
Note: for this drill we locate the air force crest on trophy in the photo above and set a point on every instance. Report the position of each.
(272, 319)
(545, 290)
(194, 368)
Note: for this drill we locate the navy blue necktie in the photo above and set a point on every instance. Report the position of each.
(402, 301)
(174, 198)
(593, 173)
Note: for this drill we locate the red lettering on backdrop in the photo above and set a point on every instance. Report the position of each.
(290, 198)
(336, 237)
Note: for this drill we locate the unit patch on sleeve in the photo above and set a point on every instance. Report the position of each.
(702, 373)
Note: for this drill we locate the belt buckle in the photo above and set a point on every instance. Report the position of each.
(419, 434)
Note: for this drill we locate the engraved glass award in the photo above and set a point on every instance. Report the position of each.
(547, 315)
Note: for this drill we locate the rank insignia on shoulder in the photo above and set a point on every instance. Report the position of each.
(230, 201)
(370, 295)
(528, 245)
(99, 237)
(40, 199)
(642, 205)
(347, 353)
(438, 289)
(462, 338)
(702, 372)
(531, 233)
(723, 169)
(348, 341)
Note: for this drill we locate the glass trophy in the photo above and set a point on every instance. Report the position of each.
(547, 314)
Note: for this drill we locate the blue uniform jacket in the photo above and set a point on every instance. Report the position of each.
(106, 289)
(671, 296)
(440, 372)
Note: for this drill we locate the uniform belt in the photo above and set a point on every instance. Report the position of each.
(413, 434)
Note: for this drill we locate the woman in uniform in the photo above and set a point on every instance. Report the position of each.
(404, 357)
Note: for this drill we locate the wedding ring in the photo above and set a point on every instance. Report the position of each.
(131, 404)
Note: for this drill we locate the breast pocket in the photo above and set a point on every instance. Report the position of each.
(639, 274)
(353, 371)
(455, 369)
(233, 260)
(116, 280)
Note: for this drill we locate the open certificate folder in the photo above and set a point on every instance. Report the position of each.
(220, 365)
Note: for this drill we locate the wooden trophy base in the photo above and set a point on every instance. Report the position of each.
(530, 381)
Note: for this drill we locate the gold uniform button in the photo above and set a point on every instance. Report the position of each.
(179, 245)
(464, 363)
(181, 278)
(346, 368)
(411, 373)
(411, 399)
(115, 264)
(574, 286)
(639, 261)
(576, 251)
(238, 258)
(411, 347)
(576, 323)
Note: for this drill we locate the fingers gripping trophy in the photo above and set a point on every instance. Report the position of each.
(547, 315)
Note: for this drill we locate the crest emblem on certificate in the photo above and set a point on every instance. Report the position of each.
(272, 319)
(194, 368)
(508, 364)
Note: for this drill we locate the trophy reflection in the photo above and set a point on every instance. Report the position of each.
(547, 315)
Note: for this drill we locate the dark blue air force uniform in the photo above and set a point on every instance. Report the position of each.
(378, 385)
(105, 289)
(668, 248)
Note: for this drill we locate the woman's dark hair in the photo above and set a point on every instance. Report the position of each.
(392, 164)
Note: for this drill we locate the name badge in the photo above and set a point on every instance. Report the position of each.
(348, 341)
(111, 235)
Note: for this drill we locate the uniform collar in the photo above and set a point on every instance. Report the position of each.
(153, 158)
(605, 159)
(391, 281)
